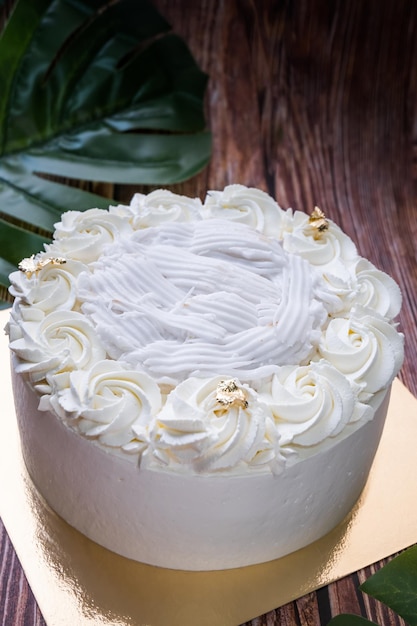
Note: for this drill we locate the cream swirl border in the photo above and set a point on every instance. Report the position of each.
(294, 414)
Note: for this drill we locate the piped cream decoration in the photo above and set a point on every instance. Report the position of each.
(202, 357)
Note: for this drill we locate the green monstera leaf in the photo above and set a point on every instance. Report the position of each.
(395, 585)
(91, 90)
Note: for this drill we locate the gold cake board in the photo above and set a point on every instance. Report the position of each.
(77, 582)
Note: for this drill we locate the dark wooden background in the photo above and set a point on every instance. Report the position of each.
(315, 102)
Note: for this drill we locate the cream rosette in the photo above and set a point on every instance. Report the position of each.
(195, 430)
(162, 206)
(51, 288)
(21, 315)
(61, 342)
(111, 403)
(376, 290)
(247, 205)
(362, 285)
(337, 293)
(365, 348)
(82, 236)
(329, 251)
(312, 403)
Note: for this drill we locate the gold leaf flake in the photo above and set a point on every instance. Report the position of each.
(229, 394)
(33, 265)
(318, 222)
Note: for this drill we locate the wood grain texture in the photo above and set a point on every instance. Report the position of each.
(314, 102)
(17, 604)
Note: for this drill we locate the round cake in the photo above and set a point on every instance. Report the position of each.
(201, 385)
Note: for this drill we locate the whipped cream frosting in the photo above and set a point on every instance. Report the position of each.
(201, 298)
(148, 308)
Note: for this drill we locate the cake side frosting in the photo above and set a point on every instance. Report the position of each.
(131, 320)
(204, 521)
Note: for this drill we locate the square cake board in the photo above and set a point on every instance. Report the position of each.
(77, 582)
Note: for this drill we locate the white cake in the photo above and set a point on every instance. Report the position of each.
(198, 385)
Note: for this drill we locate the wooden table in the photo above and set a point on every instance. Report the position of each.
(314, 102)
